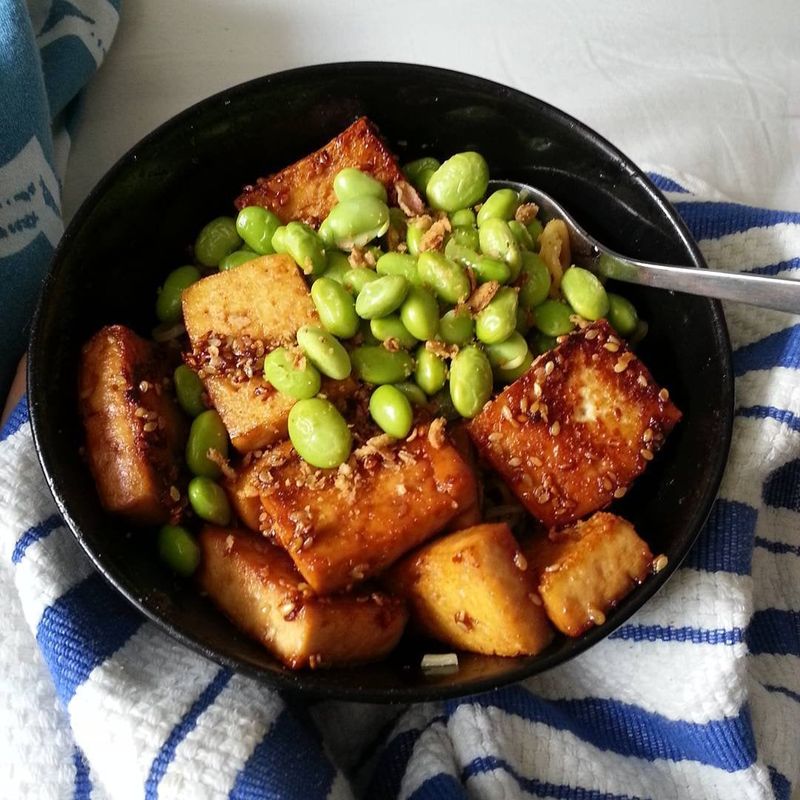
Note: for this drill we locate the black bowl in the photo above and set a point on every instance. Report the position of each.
(135, 227)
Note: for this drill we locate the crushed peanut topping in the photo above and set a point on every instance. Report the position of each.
(482, 296)
(434, 237)
(526, 213)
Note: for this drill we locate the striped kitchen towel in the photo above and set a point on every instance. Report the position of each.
(697, 696)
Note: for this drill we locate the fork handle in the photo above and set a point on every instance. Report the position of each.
(779, 294)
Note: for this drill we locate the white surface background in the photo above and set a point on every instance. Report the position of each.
(709, 88)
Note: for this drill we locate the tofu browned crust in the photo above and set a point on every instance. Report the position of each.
(584, 570)
(571, 434)
(135, 432)
(256, 585)
(235, 318)
(473, 590)
(304, 190)
(343, 525)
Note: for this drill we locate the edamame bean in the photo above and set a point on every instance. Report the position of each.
(351, 182)
(337, 267)
(465, 256)
(419, 172)
(216, 240)
(391, 410)
(168, 301)
(236, 259)
(305, 247)
(464, 217)
(326, 234)
(622, 314)
(498, 320)
(430, 373)
(460, 182)
(524, 320)
(414, 234)
(534, 281)
(356, 222)
(521, 235)
(466, 236)
(188, 390)
(207, 434)
(510, 375)
(414, 394)
(498, 242)
(456, 327)
(508, 355)
(443, 276)
(209, 501)
(398, 264)
(279, 240)
(541, 342)
(290, 376)
(325, 352)
(357, 278)
(471, 381)
(490, 269)
(178, 549)
(381, 297)
(420, 313)
(501, 204)
(319, 433)
(375, 364)
(553, 318)
(256, 226)
(535, 228)
(584, 292)
(391, 327)
(335, 307)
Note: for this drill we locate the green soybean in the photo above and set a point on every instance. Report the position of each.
(206, 434)
(375, 364)
(351, 182)
(290, 376)
(419, 172)
(389, 328)
(464, 217)
(456, 327)
(381, 297)
(325, 352)
(501, 204)
(511, 374)
(209, 501)
(337, 265)
(498, 242)
(357, 278)
(443, 276)
(279, 240)
(471, 381)
(391, 410)
(414, 234)
(216, 240)
(365, 334)
(398, 264)
(525, 319)
(622, 314)
(326, 234)
(335, 307)
(236, 259)
(534, 281)
(356, 222)
(490, 269)
(188, 390)
(534, 228)
(498, 320)
(509, 354)
(466, 236)
(305, 247)
(553, 318)
(420, 313)
(584, 292)
(521, 234)
(168, 301)
(430, 373)
(541, 342)
(461, 254)
(459, 182)
(256, 226)
(414, 394)
(178, 549)
(319, 433)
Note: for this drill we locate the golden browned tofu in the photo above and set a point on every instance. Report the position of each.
(234, 318)
(258, 588)
(135, 433)
(343, 525)
(244, 493)
(583, 571)
(472, 589)
(304, 190)
(574, 431)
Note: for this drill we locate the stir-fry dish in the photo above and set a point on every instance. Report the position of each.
(382, 399)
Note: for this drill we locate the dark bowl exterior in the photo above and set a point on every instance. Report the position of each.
(140, 221)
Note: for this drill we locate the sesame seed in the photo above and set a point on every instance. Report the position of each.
(537, 462)
(621, 492)
(140, 412)
(647, 436)
(663, 395)
(520, 562)
(174, 494)
(534, 598)
(596, 615)
(149, 427)
(144, 386)
(591, 333)
(659, 562)
(555, 428)
(646, 454)
(549, 367)
(607, 485)
(642, 381)
(514, 462)
(505, 413)
(611, 347)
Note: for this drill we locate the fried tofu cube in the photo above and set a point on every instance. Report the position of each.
(585, 570)
(244, 493)
(343, 525)
(234, 318)
(256, 585)
(135, 433)
(472, 589)
(304, 190)
(573, 432)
